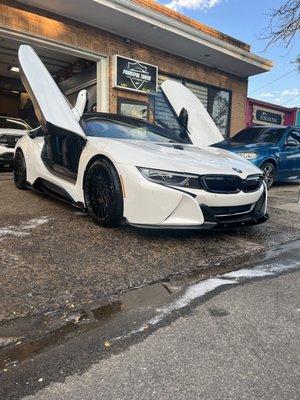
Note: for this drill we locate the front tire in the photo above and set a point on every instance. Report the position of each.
(19, 171)
(269, 172)
(103, 193)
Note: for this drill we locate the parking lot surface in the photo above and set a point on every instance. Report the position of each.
(52, 256)
(240, 344)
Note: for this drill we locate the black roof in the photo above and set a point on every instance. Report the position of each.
(131, 120)
(116, 117)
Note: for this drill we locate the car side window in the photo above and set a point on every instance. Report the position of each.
(295, 135)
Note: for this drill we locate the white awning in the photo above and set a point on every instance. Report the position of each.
(144, 24)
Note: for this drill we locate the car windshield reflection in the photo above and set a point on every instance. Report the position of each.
(128, 129)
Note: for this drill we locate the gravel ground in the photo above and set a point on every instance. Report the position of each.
(52, 256)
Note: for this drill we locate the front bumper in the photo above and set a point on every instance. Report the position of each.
(256, 216)
(151, 205)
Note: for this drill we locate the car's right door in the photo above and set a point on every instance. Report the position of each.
(200, 127)
(290, 156)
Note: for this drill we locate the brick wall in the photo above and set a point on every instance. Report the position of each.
(16, 16)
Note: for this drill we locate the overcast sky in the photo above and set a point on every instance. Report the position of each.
(246, 20)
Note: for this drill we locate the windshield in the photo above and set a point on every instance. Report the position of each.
(259, 135)
(129, 129)
(11, 123)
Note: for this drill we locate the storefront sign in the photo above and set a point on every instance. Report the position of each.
(264, 116)
(135, 75)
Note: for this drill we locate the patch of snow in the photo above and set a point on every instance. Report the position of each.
(24, 228)
(34, 223)
(192, 293)
(246, 273)
(279, 267)
(262, 270)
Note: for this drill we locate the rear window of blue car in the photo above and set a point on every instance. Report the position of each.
(259, 135)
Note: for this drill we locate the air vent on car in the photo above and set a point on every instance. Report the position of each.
(231, 183)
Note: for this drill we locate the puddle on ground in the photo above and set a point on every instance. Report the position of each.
(78, 322)
(135, 310)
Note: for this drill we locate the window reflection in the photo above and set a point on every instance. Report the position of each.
(133, 109)
(218, 108)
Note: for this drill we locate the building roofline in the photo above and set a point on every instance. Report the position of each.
(192, 27)
(153, 5)
(271, 105)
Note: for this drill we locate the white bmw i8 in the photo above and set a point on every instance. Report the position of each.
(123, 169)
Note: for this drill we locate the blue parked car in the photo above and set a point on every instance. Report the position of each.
(275, 150)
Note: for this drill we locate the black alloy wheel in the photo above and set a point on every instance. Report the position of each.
(269, 173)
(103, 193)
(19, 171)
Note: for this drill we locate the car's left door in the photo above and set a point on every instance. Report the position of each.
(64, 136)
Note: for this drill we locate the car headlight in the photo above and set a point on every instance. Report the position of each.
(170, 178)
(248, 156)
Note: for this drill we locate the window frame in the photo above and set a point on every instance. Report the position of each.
(297, 130)
(126, 100)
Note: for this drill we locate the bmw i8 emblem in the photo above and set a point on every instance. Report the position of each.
(237, 170)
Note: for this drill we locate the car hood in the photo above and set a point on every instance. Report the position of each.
(241, 147)
(175, 157)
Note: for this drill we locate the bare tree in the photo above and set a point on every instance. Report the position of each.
(284, 24)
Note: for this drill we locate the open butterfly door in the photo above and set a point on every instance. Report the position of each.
(50, 105)
(201, 128)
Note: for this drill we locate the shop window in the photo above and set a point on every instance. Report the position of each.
(219, 108)
(132, 108)
(200, 91)
(160, 108)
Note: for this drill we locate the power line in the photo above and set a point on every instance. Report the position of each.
(274, 80)
(294, 97)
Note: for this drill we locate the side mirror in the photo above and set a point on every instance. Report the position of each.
(183, 118)
(291, 143)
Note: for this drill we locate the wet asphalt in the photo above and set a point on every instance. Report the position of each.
(236, 340)
(241, 344)
(54, 257)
